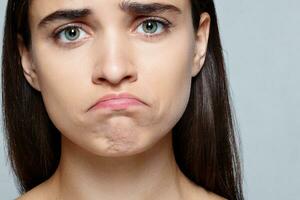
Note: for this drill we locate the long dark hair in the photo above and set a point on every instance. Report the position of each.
(204, 140)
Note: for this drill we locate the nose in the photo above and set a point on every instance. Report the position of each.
(114, 66)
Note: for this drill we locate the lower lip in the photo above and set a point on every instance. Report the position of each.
(117, 104)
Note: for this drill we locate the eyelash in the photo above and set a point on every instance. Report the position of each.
(166, 25)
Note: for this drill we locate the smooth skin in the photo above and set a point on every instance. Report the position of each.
(115, 154)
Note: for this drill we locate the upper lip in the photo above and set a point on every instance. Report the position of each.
(116, 96)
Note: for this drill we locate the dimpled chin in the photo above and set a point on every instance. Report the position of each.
(119, 137)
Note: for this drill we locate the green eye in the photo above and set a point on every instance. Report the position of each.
(150, 26)
(72, 33)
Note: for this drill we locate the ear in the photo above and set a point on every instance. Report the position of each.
(201, 43)
(29, 69)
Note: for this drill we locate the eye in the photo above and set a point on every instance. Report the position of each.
(152, 27)
(70, 34)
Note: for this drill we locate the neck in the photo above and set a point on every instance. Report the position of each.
(152, 174)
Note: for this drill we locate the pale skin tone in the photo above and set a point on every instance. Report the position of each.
(115, 154)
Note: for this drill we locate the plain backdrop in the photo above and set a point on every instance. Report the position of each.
(262, 51)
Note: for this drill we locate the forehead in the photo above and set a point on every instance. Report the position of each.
(40, 8)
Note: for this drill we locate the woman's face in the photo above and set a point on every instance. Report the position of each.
(84, 50)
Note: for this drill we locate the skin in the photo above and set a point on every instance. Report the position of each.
(115, 154)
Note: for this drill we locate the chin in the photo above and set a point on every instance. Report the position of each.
(117, 153)
(122, 150)
(125, 144)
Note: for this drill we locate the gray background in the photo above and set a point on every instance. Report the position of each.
(261, 47)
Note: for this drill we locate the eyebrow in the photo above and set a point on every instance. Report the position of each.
(147, 8)
(67, 14)
(127, 6)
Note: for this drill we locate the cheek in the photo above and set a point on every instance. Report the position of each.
(64, 81)
(168, 74)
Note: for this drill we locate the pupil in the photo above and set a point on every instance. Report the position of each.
(150, 27)
(72, 34)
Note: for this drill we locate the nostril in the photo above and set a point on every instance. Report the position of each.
(114, 75)
(128, 77)
(131, 78)
(101, 80)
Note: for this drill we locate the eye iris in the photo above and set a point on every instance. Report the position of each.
(150, 27)
(72, 33)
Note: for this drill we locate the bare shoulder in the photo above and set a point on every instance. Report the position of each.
(33, 194)
(196, 192)
(213, 196)
(201, 193)
(40, 192)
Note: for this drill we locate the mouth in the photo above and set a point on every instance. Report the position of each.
(117, 102)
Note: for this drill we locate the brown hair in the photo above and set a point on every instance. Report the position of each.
(204, 140)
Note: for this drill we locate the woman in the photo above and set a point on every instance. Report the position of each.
(118, 100)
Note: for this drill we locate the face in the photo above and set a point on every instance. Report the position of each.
(90, 49)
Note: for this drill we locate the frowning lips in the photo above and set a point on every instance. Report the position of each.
(117, 102)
